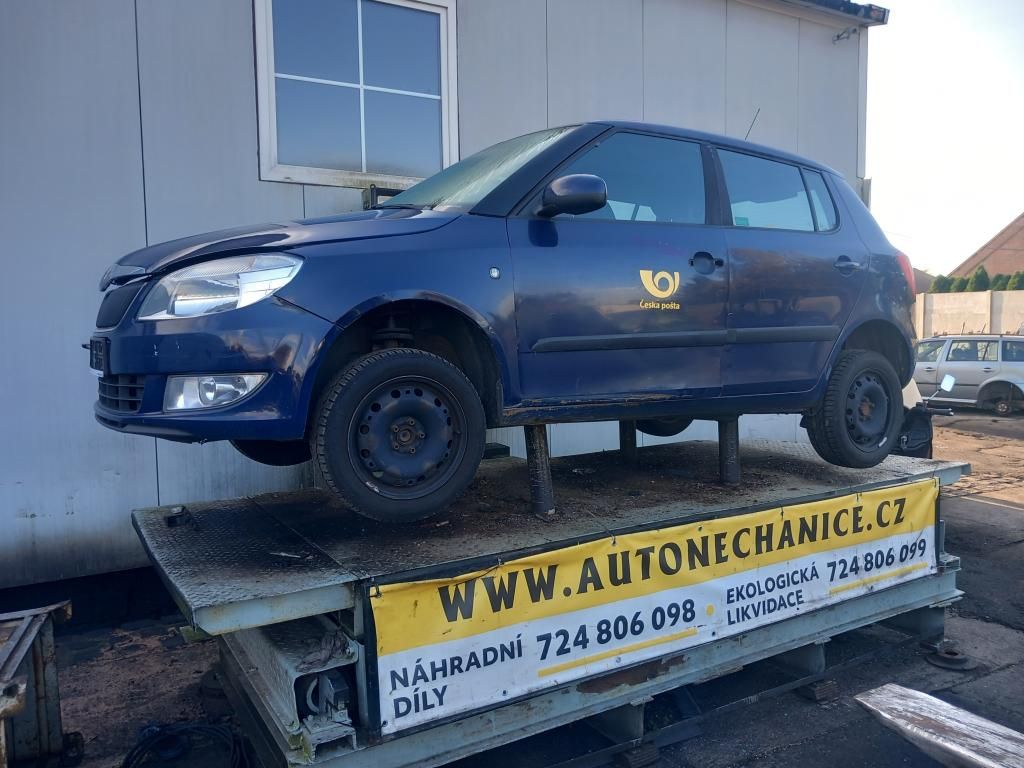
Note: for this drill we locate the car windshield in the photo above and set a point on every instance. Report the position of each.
(463, 185)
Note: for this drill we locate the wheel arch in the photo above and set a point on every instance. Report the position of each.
(436, 323)
(989, 391)
(887, 339)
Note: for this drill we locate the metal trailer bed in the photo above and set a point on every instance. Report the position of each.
(288, 583)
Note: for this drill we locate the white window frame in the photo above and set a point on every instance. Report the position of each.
(272, 170)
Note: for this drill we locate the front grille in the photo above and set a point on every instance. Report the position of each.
(122, 392)
(116, 302)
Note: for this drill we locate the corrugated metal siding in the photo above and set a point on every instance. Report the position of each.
(78, 149)
(70, 200)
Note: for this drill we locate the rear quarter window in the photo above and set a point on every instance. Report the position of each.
(821, 201)
(1013, 351)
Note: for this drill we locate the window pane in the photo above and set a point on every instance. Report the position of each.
(316, 38)
(403, 134)
(824, 207)
(764, 193)
(401, 48)
(972, 351)
(928, 351)
(318, 125)
(648, 178)
(1013, 351)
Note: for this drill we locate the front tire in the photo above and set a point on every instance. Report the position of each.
(399, 434)
(858, 422)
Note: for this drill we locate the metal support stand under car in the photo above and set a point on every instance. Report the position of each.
(538, 461)
(729, 450)
(347, 644)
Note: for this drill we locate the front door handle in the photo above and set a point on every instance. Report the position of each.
(704, 263)
(929, 369)
(846, 265)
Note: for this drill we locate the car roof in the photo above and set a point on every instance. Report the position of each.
(717, 138)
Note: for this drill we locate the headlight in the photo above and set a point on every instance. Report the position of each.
(186, 393)
(217, 286)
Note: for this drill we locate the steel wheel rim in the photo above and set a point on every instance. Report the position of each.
(868, 411)
(406, 437)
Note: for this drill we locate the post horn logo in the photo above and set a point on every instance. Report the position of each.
(660, 285)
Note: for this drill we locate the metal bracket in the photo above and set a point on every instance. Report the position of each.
(928, 624)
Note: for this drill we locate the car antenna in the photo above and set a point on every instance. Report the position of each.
(752, 123)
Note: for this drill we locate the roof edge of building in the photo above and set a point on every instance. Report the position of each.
(866, 14)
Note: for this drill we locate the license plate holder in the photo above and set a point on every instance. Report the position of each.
(99, 359)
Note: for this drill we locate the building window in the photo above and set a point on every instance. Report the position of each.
(356, 92)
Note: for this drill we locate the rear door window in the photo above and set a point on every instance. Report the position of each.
(973, 352)
(765, 193)
(649, 178)
(1013, 351)
(928, 351)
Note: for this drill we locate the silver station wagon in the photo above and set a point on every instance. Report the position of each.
(989, 370)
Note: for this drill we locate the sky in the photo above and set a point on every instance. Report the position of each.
(945, 125)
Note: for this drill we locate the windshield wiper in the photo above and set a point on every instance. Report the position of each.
(408, 206)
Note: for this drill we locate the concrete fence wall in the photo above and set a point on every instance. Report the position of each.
(980, 312)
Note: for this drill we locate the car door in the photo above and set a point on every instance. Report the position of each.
(926, 371)
(628, 299)
(796, 272)
(972, 362)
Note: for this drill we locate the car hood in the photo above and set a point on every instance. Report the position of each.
(381, 222)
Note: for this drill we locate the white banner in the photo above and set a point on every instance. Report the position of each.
(450, 646)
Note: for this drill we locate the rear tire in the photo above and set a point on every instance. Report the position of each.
(1003, 407)
(858, 421)
(399, 434)
(274, 453)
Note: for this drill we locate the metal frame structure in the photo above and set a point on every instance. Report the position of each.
(286, 580)
(30, 718)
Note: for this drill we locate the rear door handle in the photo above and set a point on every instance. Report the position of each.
(988, 369)
(846, 265)
(929, 369)
(704, 263)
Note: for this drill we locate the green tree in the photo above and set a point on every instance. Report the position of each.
(999, 282)
(979, 280)
(941, 284)
(959, 285)
(1016, 282)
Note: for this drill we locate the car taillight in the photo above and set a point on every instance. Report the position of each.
(908, 273)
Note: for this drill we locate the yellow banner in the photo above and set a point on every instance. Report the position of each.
(414, 614)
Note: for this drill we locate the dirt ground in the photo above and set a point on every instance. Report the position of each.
(115, 681)
(997, 461)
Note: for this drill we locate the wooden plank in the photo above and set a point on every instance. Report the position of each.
(948, 734)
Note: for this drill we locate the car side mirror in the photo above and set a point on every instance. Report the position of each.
(947, 383)
(577, 193)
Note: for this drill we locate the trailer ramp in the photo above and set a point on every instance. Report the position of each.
(651, 576)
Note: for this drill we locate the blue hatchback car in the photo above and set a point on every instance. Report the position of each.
(603, 271)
